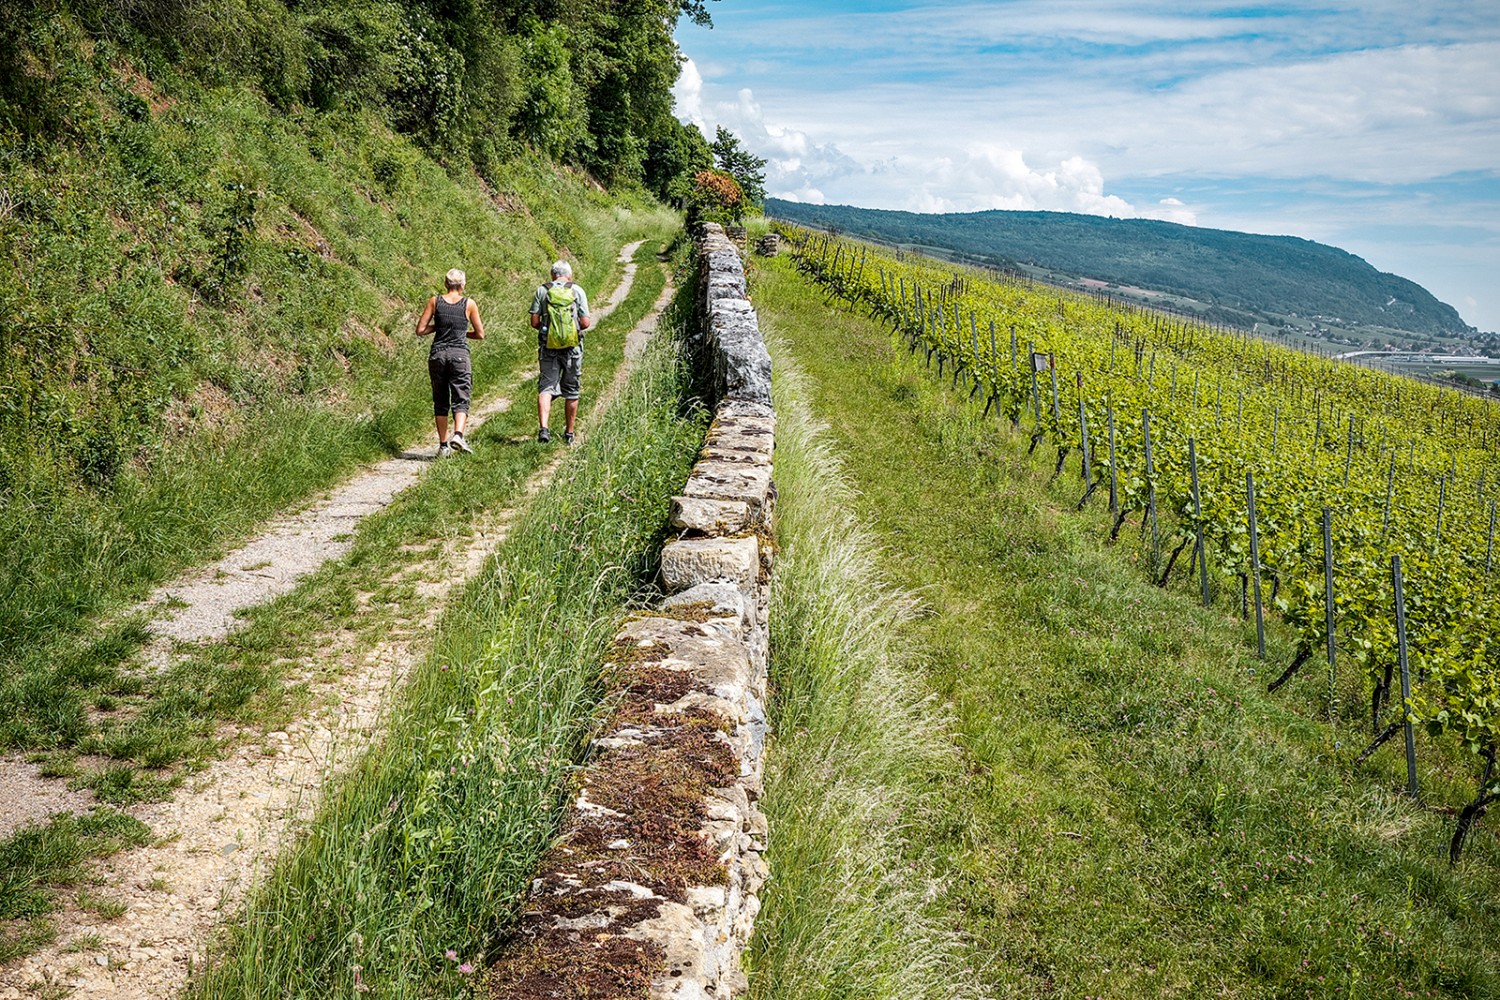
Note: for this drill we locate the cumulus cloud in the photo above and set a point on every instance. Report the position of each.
(969, 177)
(687, 94)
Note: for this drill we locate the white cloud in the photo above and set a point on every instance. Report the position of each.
(687, 94)
(973, 177)
(1374, 124)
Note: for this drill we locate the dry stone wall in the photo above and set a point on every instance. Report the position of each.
(652, 890)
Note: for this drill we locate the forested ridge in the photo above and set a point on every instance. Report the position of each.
(1244, 277)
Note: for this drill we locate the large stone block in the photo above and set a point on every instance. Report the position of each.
(692, 561)
(704, 516)
(717, 480)
(722, 600)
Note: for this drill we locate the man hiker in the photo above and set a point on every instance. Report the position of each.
(559, 314)
(453, 320)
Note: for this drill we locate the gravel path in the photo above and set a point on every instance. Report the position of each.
(221, 831)
(203, 605)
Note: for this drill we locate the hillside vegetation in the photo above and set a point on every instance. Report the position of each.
(1132, 814)
(215, 223)
(1243, 277)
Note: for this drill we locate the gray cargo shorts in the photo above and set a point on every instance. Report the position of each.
(452, 382)
(562, 371)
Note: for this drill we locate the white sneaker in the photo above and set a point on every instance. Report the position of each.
(458, 442)
(443, 450)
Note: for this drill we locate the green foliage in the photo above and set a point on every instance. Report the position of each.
(1248, 277)
(744, 166)
(552, 116)
(1133, 816)
(1279, 421)
(586, 83)
(673, 159)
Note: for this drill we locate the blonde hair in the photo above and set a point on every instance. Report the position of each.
(455, 279)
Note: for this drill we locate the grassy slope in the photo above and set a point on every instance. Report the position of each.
(257, 677)
(209, 306)
(1135, 817)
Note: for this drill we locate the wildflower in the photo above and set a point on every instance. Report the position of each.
(466, 968)
(451, 955)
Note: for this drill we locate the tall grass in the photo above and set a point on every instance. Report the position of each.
(854, 907)
(426, 847)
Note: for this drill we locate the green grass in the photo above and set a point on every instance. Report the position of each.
(1134, 816)
(41, 859)
(166, 725)
(429, 843)
(208, 307)
(854, 907)
(90, 698)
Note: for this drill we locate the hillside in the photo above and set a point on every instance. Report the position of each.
(211, 243)
(1239, 278)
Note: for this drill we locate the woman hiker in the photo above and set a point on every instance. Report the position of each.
(453, 320)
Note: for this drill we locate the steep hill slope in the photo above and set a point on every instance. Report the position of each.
(1244, 277)
(211, 247)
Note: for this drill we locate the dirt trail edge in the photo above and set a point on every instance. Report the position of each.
(220, 831)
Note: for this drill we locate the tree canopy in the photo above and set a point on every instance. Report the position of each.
(744, 166)
(587, 82)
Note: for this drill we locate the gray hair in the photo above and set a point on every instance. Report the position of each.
(455, 279)
(562, 269)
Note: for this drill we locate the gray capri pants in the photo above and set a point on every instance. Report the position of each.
(452, 382)
(562, 371)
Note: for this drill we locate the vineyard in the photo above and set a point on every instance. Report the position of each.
(1358, 506)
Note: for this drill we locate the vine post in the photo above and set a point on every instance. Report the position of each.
(1201, 550)
(1260, 623)
(1036, 392)
(1328, 605)
(1489, 551)
(1411, 741)
(1083, 433)
(1151, 492)
(1114, 480)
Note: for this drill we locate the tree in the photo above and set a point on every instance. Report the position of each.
(716, 197)
(673, 158)
(744, 166)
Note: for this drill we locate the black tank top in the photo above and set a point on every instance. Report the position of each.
(451, 325)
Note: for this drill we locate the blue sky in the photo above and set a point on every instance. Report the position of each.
(1372, 125)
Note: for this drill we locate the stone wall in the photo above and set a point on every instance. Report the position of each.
(652, 888)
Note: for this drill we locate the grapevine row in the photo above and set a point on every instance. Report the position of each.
(1136, 398)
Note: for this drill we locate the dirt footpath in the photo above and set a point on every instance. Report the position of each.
(221, 831)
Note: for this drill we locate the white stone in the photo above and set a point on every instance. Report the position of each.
(692, 561)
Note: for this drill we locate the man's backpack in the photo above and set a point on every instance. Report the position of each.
(562, 316)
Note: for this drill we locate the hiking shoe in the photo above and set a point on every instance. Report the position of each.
(567, 437)
(544, 436)
(443, 450)
(459, 444)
